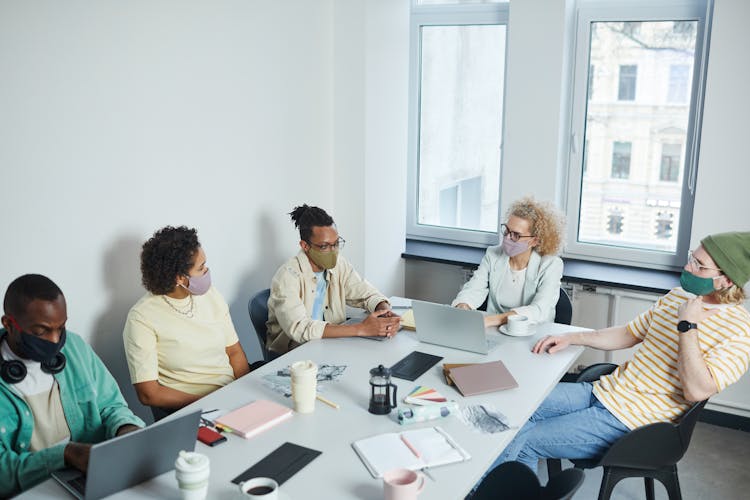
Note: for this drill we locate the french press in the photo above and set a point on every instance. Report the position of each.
(380, 388)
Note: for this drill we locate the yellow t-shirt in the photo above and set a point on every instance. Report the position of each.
(648, 389)
(180, 352)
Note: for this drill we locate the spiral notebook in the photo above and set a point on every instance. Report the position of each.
(414, 450)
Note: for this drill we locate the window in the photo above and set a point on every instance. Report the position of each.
(591, 81)
(670, 162)
(678, 83)
(632, 169)
(626, 88)
(457, 80)
(621, 160)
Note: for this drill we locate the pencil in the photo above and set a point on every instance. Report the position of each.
(410, 446)
(327, 401)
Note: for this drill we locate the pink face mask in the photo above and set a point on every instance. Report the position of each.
(199, 285)
(513, 248)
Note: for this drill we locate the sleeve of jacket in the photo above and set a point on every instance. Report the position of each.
(21, 471)
(113, 409)
(359, 292)
(542, 306)
(474, 292)
(290, 310)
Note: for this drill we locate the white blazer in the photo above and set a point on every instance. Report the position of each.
(540, 291)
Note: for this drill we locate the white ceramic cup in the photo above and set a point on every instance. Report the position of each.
(402, 484)
(260, 488)
(192, 471)
(518, 324)
(304, 385)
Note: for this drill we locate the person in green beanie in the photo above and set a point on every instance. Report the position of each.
(694, 342)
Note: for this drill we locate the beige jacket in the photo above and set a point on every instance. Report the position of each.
(293, 294)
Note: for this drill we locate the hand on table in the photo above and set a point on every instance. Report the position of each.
(381, 323)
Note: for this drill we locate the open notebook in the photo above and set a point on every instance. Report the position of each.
(388, 451)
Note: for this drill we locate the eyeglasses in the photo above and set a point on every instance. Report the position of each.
(514, 236)
(327, 247)
(692, 262)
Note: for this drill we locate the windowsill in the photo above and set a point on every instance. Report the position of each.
(575, 271)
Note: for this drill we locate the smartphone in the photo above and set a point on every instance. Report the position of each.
(210, 436)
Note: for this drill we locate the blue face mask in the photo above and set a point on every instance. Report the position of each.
(695, 284)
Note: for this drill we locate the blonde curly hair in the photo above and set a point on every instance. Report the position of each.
(731, 295)
(547, 223)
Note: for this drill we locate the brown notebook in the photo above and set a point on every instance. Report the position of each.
(482, 378)
(447, 367)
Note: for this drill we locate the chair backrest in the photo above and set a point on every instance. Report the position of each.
(258, 309)
(509, 481)
(563, 309)
(563, 486)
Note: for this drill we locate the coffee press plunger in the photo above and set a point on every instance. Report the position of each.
(381, 401)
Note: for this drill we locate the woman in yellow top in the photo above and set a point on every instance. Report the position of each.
(179, 338)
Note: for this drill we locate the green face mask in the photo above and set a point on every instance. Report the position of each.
(326, 260)
(695, 284)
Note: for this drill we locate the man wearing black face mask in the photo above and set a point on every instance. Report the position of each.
(56, 396)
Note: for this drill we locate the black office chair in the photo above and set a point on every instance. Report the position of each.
(651, 451)
(515, 481)
(159, 413)
(563, 309)
(258, 309)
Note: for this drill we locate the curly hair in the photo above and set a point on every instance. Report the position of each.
(305, 217)
(169, 253)
(547, 223)
(731, 295)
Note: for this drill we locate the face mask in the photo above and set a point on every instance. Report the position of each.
(695, 284)
(326, 260)
(38, 349)
(513, 248)
(199, 285)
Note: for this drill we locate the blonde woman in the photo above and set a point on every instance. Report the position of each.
(521, 275)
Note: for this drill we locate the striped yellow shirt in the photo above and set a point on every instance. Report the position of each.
(647, 389)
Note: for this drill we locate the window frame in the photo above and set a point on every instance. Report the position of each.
(624, 10)
(444, 15)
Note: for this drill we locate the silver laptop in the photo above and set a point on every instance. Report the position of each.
(451, 327)
(132, 458)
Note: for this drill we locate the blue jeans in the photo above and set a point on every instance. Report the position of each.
(571, 423)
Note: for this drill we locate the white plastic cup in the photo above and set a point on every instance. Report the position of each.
(518, 324)
(304, 385)
(192, 471)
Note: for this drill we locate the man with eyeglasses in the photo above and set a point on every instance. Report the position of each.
(694, 342)
(310, 292)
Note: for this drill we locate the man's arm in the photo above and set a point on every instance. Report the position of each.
(238, 360)
(697, 382)
(608, 339)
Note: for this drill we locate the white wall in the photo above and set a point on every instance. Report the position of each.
(117, 118)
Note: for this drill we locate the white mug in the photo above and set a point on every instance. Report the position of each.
(260, 488)
(518, 324)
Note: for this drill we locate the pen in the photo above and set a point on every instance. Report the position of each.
(410, 446)
(327, 401)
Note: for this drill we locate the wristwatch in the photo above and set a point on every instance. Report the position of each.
(684, 326)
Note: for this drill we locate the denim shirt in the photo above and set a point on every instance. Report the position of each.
(93, 407)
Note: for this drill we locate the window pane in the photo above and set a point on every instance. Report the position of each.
(460, 125)
(437, 2)
(633, 148)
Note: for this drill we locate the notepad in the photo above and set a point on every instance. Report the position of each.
(389, 451)
(407, 320)
(482, 378)
(254, 418)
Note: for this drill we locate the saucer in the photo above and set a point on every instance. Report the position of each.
(504, 329)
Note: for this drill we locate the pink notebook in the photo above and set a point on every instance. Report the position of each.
(254, 418)
(482, 378)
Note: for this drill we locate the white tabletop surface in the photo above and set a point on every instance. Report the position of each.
(338, 472)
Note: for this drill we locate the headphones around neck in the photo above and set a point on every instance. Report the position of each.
(14, 371)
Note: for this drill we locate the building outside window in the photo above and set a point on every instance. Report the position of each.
(630, 152)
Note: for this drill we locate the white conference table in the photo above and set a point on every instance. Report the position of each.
(338, 472)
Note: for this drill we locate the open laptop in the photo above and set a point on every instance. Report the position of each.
(132, 458)
(451, 327)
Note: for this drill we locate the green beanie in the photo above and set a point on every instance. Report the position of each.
(731, 252)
